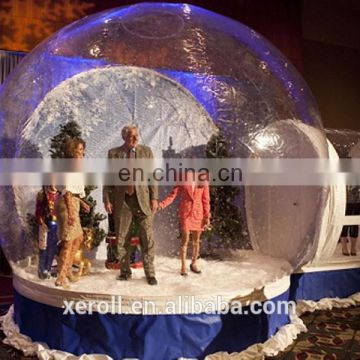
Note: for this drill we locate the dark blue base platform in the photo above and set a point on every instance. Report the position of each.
(172, 336)
(143, 336)
(325, 284)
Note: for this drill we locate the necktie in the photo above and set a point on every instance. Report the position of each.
(131, 188)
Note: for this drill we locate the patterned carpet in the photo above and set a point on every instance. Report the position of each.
(333, 335)
(7, 352)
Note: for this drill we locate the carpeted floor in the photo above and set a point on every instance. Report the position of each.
(333, 335)
(8, 352)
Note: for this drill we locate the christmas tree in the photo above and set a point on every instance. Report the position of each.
(68, 131)
(32, 231)
(227, 224)
(93, 219)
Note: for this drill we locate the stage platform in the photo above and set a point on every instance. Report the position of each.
(241, 279)
(337, 277)
(236, 276)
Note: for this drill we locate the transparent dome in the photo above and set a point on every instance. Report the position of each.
(185, 76)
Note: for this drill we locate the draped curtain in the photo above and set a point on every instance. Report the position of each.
(8, 60)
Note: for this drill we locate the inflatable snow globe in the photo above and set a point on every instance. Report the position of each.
(196, 85)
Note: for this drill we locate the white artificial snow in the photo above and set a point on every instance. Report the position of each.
(238, 275)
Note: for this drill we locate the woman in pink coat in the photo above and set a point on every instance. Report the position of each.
(194, 216)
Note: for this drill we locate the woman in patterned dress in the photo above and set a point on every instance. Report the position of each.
(70, 231)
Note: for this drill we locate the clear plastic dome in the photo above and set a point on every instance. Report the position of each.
(185, 76)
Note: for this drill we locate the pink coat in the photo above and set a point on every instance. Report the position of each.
(193, 204)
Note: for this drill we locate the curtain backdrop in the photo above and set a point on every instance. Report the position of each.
(8, 60)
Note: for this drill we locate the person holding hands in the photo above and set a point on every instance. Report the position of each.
(194, 216)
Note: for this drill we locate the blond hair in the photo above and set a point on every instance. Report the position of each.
(71, 145)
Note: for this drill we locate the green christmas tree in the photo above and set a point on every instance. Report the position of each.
(32, 231)
(93, 219)
(227, 224)
(68, 131)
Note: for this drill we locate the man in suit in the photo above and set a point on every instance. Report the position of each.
(132, 201)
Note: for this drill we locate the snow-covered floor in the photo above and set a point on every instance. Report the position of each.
(240, 273)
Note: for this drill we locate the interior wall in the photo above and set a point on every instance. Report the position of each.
(332, 72)
(331, 53)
